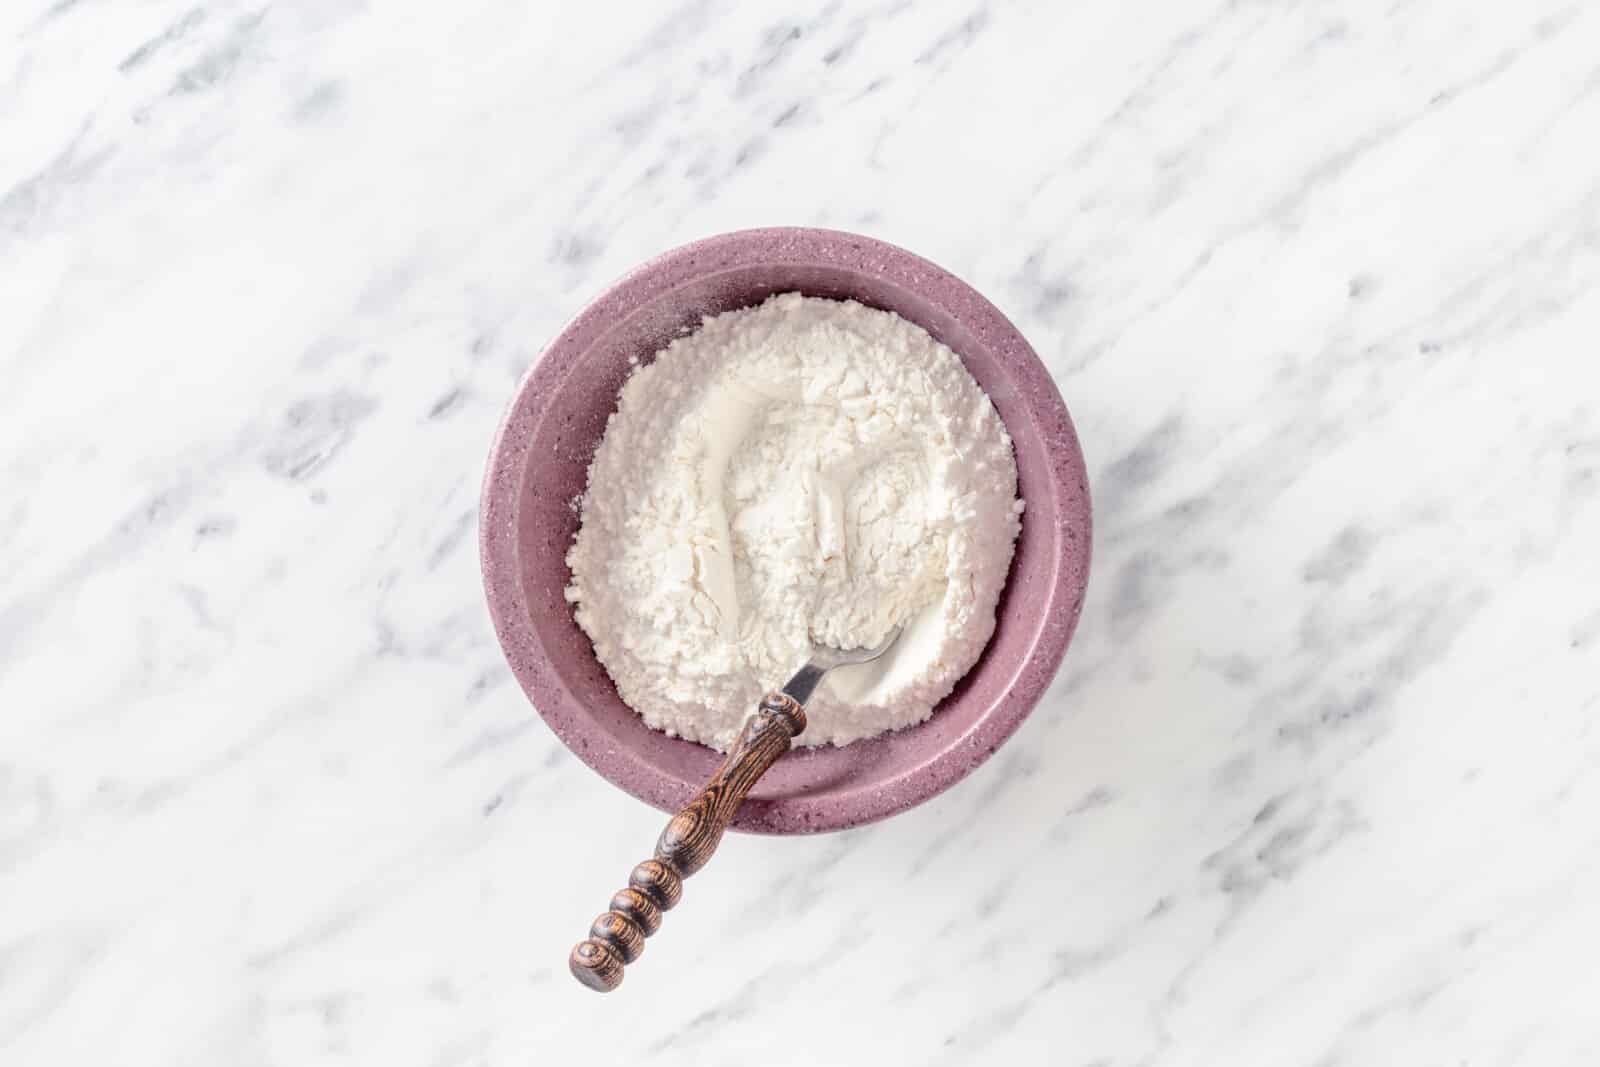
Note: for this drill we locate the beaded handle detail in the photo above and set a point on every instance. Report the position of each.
(617, 937)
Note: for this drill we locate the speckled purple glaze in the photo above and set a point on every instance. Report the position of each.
(540, 461)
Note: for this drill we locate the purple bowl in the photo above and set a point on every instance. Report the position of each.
(539, 465)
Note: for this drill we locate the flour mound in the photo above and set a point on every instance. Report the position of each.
(804, 470)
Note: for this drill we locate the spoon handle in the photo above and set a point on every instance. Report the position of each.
(617, 937)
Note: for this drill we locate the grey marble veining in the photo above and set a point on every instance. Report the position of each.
(1321, 284)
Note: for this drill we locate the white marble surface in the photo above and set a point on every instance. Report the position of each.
(1319, 783)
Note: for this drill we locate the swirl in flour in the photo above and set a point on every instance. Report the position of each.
(806, 469)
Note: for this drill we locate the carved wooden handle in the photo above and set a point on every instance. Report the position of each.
(617, 937)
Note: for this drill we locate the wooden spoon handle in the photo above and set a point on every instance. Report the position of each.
(617, 937)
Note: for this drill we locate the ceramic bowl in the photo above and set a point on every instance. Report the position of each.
(539, 465)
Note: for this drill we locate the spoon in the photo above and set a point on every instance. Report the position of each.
(617, 937)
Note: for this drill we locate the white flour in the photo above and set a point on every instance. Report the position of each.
(804, 469)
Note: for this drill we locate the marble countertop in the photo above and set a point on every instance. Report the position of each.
(1319, 782)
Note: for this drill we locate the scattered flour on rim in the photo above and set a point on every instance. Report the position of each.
(804, 469)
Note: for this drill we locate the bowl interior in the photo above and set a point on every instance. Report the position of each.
(809, 789)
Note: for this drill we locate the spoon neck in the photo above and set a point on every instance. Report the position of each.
(804, 682)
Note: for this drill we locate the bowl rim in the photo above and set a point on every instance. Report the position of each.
(501, 495)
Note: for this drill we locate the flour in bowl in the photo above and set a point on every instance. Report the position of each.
(804, 470)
